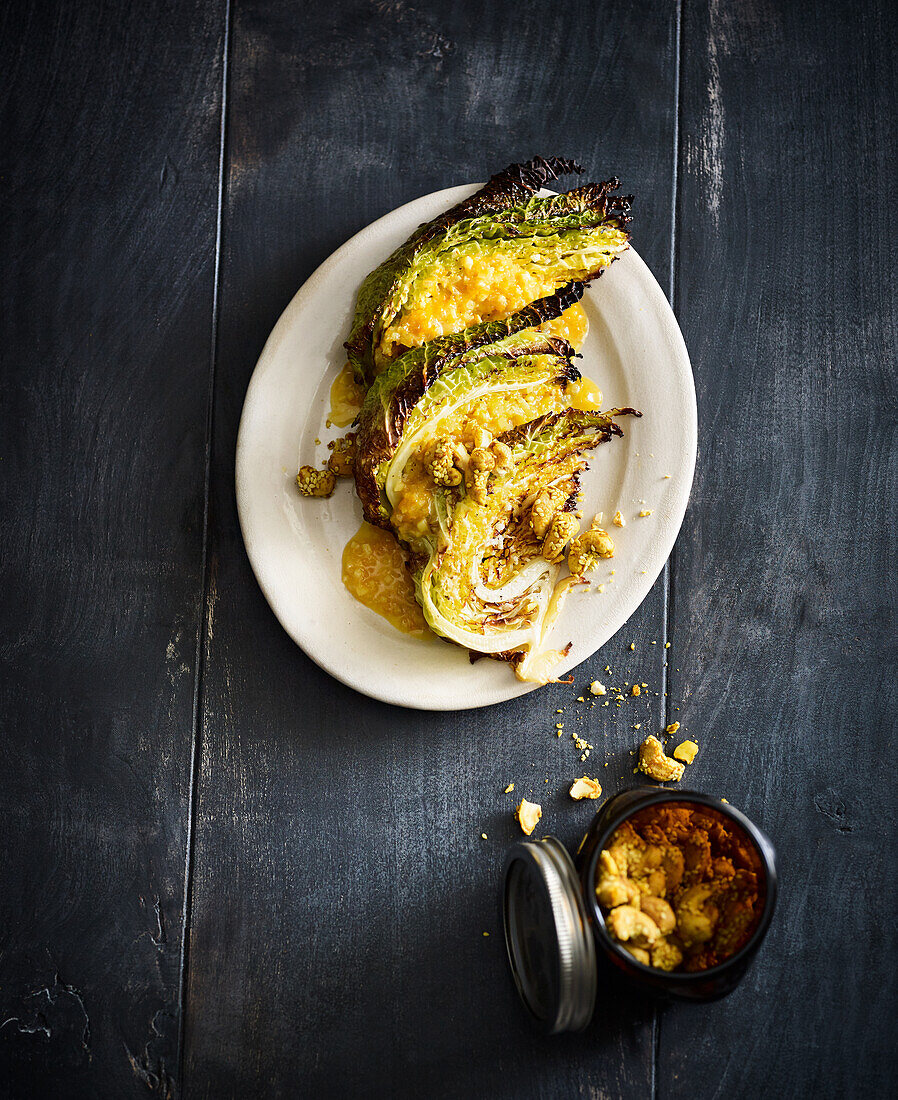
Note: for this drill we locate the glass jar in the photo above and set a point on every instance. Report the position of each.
(558, 946)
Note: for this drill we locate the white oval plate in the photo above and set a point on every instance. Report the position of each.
(636, 354)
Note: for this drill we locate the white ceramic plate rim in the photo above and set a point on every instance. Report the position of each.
(296, 573)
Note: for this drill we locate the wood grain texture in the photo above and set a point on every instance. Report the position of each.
(341, 886)
(110, 150)
(784, 593)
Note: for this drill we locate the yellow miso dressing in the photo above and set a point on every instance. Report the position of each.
(374, 572)
(573, 325)
(346, 398)
(584, 395)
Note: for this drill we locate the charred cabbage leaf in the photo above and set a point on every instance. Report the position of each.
(484, 510)
(500, 249)
(487, 580)
(417, 398)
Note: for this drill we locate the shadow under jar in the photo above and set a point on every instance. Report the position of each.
(559, 947)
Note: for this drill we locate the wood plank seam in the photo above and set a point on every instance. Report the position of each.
(667, 576)
(202, 632)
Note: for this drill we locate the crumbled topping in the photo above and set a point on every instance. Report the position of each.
(619, 520)
(686, 751)
(564, 527)
(527, 815)
(477, 475)
(545, 508)
(636, 690)
(581, 744)
(440, 463)
(342, 457)
(672, 728)
(645, 512)
(596, 688)
(502, 454)
(584, 787)
(315, 483)
(482, 437)
(509, 788)
(657, 764)
(588, 550)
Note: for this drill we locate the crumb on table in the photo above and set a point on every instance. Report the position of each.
(527, 815)
(584, 787)
(656, 764)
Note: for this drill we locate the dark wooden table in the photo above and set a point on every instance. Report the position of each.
(226, 875)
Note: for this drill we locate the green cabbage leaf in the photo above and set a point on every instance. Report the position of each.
(481, 570)
(427, 385)
(483, 582)
(570, 237)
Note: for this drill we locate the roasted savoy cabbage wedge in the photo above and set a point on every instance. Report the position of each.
(484, 259)
(468, 450)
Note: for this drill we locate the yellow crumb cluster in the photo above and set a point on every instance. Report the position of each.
(657, 764)
(583, 745)
(315, 483)
(584, 787)
(686, 751)
(527, 815)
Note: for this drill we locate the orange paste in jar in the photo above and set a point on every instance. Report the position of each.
(680, 886)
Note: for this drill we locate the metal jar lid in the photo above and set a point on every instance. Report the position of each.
(550, 944)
